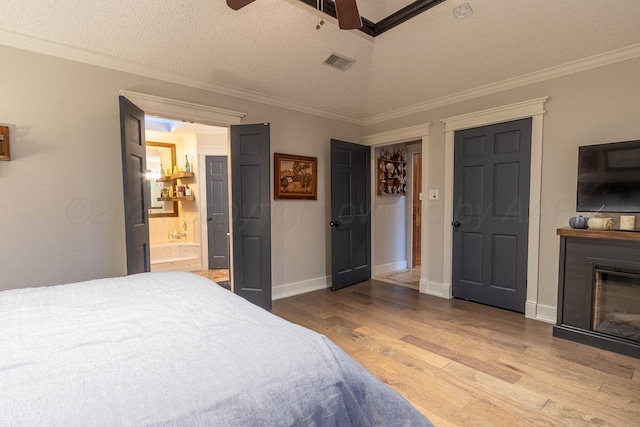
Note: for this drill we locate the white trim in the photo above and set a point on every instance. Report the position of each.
(535, 109)
(181, 110)
(397, 136)
(584, 64)
(436, 289)
(545, 313)
(33, 44)
(20, 41)
(501, 114)
(412, 133)
(387, 268)
(297, 288)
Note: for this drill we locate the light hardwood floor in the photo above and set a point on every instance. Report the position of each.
(465, 364)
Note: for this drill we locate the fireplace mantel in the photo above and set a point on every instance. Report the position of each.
(583, 254)
(598, 234)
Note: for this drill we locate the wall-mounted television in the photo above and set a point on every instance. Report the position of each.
(609, 176)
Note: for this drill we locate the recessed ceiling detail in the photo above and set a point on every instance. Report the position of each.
(376, 28)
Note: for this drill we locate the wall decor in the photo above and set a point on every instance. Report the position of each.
(392, 172)
(4, 143)
(295, 177)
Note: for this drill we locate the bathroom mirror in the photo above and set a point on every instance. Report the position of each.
(160, 155)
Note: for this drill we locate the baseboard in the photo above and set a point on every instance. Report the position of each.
(543, 313)
(291, 289)
(436, 289)
(387, 268)
(546, 313)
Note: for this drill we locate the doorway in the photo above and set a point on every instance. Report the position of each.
(398, 216)
(180, 237)
(491, 210)
(534, 108)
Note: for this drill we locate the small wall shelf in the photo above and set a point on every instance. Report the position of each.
(173, 177)
(392, 175)
(177, 199)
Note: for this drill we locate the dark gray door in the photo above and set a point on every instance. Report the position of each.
(350, 214)
(491, 214)
(134, 167)
(251, 213)
(217, 211)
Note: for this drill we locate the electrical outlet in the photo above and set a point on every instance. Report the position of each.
(433, 195)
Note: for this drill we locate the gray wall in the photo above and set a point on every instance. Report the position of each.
(61, 213)
(595, 106)
(61, 201)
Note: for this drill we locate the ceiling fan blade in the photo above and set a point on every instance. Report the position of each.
(238, 4)
(348, 16)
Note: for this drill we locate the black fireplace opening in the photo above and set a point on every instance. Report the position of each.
(616, 303)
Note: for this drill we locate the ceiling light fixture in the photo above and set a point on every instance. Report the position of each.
(462, 11)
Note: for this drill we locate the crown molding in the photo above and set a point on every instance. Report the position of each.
(584, 64)
(33, 44)
(20, 41)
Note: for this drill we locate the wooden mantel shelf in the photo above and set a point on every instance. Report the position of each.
(599, 234)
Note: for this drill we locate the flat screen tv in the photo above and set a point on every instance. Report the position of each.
(609, 177)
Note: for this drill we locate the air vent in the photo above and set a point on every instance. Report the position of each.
(340, 62)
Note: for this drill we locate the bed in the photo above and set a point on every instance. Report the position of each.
(174, 349)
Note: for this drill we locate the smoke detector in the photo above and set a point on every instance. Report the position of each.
(462, 11)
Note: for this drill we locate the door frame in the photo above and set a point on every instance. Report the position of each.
(198, 113)
(398, 136)
(535, 109)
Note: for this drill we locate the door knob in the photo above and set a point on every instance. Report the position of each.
(456, 223)
(334, 223)
(209, 219)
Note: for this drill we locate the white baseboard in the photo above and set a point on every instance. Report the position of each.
(543, 313)
(436, 289)
(386, 268)
(546, 313)
(291, 289)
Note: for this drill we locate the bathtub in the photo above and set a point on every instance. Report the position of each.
(175, 256)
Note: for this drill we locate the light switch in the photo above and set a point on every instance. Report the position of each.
(433, 195)
(419, 196)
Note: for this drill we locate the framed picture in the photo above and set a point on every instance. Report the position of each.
(295, 177)
(4, 143)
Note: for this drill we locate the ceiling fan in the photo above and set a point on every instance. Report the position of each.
(346, 10)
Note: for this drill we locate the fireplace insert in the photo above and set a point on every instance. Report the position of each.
(616, 303)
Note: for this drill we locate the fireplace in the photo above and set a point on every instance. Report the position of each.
(599, 289)
(616, 303)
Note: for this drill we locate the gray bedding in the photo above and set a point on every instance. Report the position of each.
(170, 349)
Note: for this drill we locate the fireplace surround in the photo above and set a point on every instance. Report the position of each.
(599, 289)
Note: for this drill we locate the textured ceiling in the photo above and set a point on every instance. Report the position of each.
(272, 47)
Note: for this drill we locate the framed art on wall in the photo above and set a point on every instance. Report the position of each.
(295, 177)
(4, 143)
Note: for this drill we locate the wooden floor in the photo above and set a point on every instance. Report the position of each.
(465, 364)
